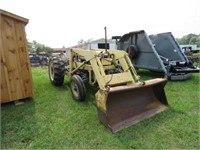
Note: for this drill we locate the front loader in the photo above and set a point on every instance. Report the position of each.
(122, 100)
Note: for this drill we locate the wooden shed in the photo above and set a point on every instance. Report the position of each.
(16, 78)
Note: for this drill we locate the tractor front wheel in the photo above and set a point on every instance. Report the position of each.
(77, 88)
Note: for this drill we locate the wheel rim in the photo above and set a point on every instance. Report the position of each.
(75, 89)
(51, 71)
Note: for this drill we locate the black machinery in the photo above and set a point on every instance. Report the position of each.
(158, 52)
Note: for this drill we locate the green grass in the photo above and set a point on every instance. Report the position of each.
(53, 120)
(196, 54)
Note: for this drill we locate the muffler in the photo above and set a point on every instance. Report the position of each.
(122, 106)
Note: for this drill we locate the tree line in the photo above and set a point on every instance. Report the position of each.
(190, 39)
(35, 47)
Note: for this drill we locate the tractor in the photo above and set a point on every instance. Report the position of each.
(122, 99)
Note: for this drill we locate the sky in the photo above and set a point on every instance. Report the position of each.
(58, 23)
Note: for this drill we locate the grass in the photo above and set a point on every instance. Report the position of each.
(53, 120)
(196, 54)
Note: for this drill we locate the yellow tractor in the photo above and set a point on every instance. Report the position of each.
(122, 100)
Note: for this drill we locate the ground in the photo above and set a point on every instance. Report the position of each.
(52, 119)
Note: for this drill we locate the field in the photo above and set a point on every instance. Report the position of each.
(53, 120)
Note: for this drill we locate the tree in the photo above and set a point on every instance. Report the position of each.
(198, 41)
(30, 48)
(81, 41)
(190, 39)
(48, 50)
(193, 40)
(35, 47)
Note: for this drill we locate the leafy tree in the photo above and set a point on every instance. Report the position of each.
(35, 47)
(190, 39)
(81, 41)
(48, 50)
(193, 40)
(30, 48)
(198, 41)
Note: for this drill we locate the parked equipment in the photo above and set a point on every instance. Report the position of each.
(122, 100)
(38, 60)
(158, 52)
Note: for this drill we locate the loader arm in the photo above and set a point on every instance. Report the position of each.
(99, 68)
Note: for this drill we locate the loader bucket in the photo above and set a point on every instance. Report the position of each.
(127, 105)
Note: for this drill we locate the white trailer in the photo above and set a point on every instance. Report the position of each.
(188, 48)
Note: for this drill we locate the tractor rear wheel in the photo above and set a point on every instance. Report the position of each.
(77, 88)
(56, 71)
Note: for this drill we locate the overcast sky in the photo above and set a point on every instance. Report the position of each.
(58, 23)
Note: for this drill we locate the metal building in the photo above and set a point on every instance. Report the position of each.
(97, 44)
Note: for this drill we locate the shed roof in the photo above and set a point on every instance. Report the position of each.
(14, 16)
